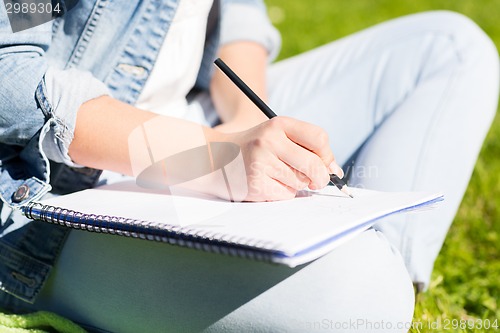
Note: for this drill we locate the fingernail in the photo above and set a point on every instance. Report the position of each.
(335, 169)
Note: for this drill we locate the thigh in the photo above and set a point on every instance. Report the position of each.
(126, 285)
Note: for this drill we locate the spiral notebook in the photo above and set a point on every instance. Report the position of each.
(289, 232)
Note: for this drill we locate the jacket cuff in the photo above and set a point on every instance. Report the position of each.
(60, 95)
(241, 22)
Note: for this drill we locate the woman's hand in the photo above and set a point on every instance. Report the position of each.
(283, 156)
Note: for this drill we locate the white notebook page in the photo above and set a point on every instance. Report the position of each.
(312, 223)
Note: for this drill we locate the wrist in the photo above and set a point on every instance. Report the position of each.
(246, 116)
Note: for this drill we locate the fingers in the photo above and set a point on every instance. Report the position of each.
(308, 136)
(284, 155)
(269, 189)
(307, 150)
(269, 166)
(304, 162)
(288, 176)
(269, 180)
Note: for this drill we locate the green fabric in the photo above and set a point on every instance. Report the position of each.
(38, 322)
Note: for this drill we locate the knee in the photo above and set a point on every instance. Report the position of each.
(468, 39)
(478, 59)
(458, 48)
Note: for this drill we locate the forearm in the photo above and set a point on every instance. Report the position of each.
(109, 135)
(275, 158)
(249, 61)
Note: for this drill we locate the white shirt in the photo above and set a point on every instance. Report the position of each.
(176, 68)
(178, 62)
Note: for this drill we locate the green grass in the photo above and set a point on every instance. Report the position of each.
(466, 279)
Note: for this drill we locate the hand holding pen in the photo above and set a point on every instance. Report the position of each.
(309, 140)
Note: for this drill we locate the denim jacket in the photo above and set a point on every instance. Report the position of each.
(100, 47)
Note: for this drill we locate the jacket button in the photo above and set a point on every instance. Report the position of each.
(21, 193)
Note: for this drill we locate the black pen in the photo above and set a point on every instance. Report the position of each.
(334, 179)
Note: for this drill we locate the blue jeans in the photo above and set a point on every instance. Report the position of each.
(407, 105)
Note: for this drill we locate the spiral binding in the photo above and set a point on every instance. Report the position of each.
(205, 240)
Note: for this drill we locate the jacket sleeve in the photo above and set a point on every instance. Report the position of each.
(38, 106)
(247, 20)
